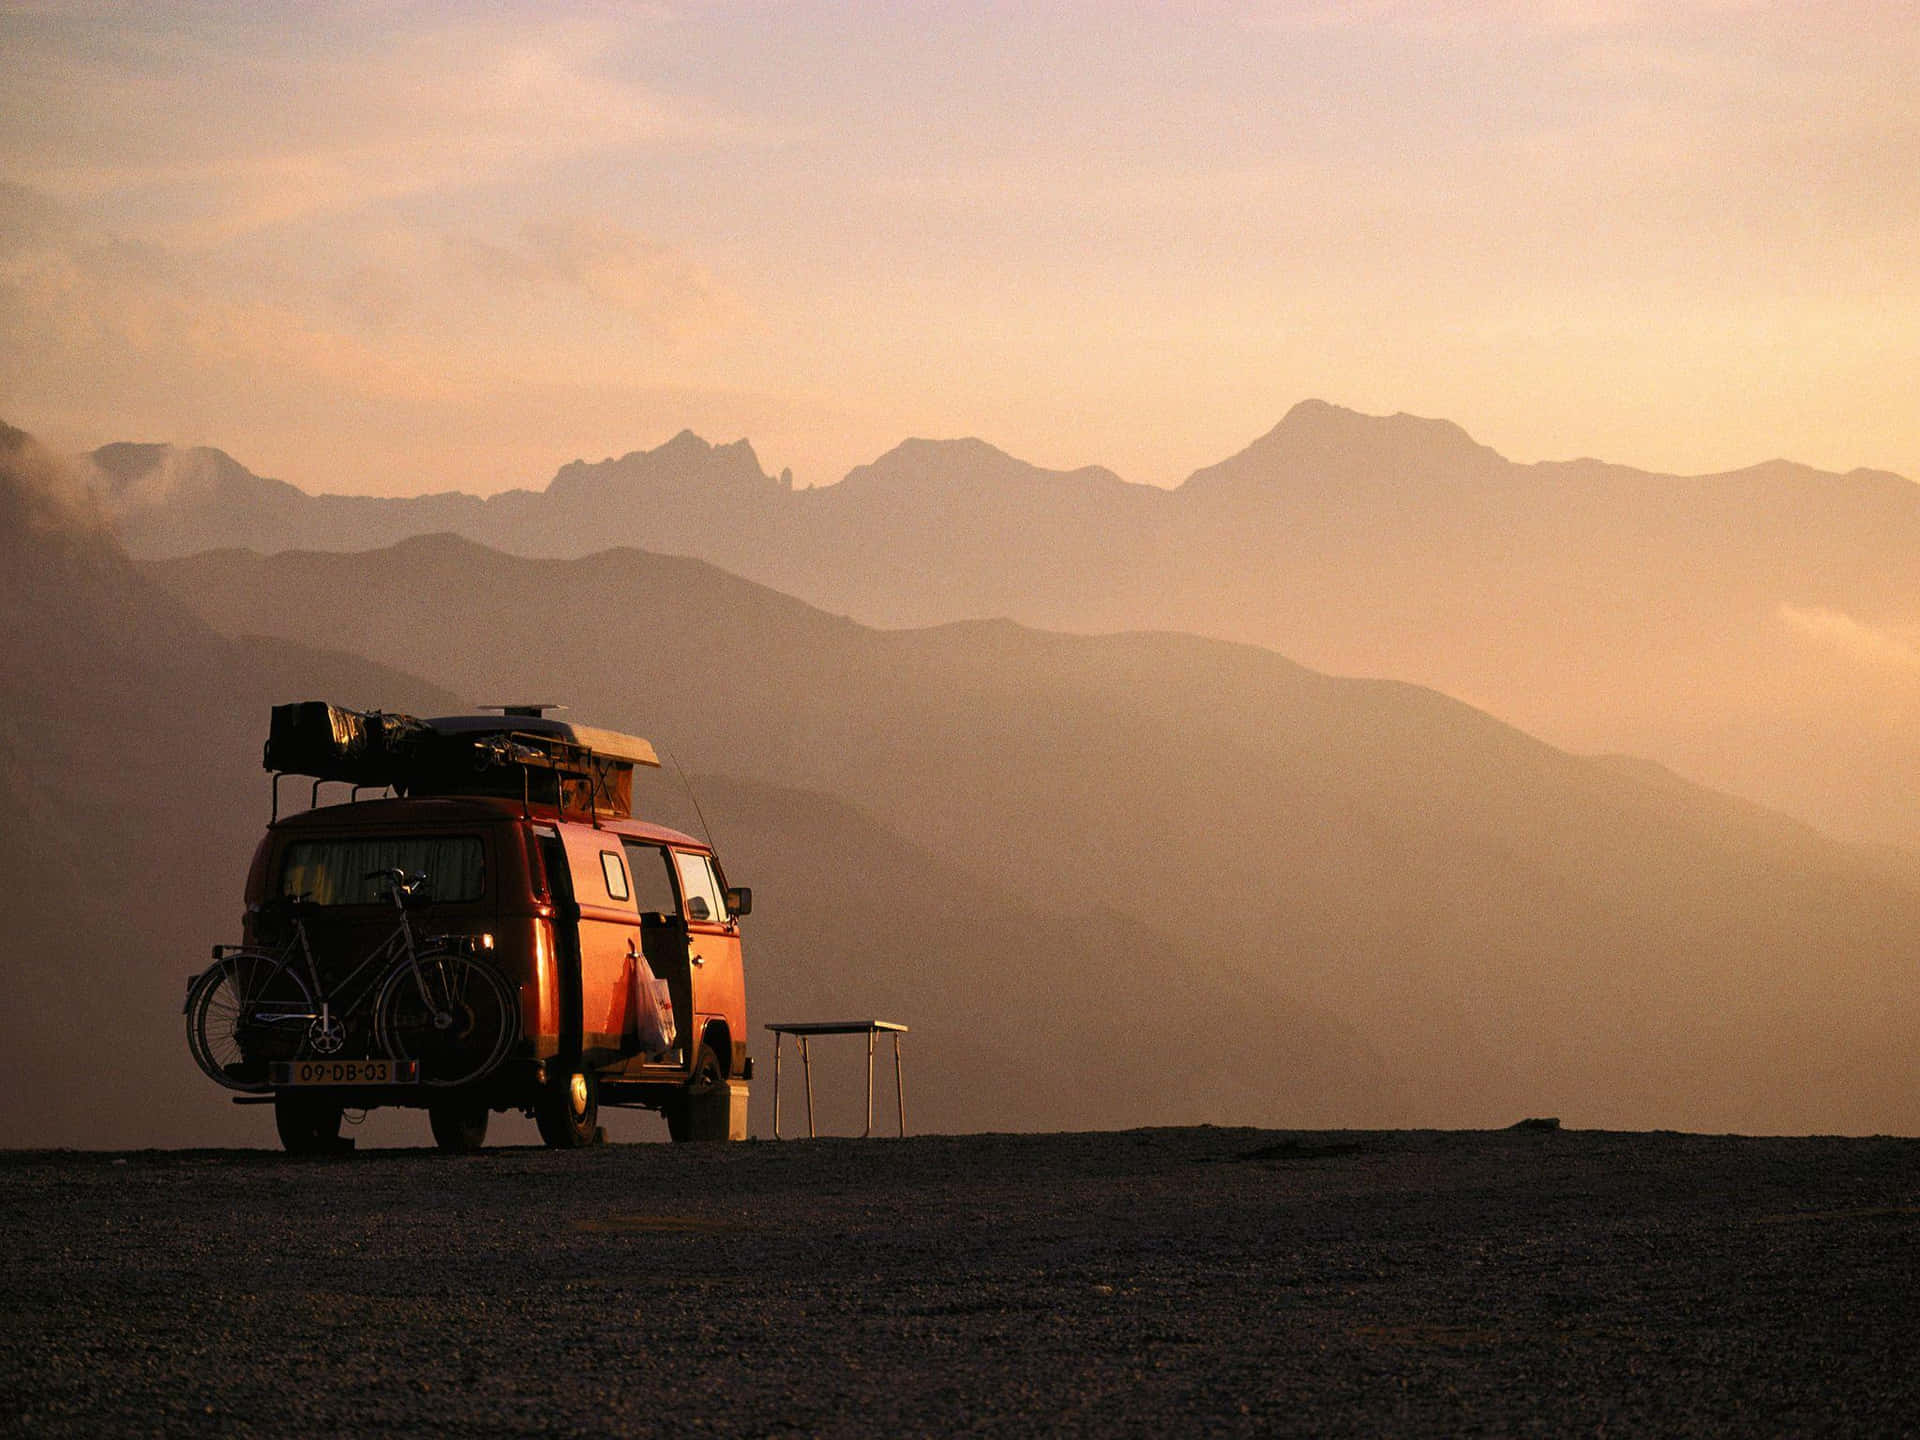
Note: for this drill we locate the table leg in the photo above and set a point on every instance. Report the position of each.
(806, 1068)
(899, 1086)
(869, 1130)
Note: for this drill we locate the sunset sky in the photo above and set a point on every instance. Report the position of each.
(390, 248)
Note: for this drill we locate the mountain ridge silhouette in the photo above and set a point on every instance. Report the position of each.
(1738, 627)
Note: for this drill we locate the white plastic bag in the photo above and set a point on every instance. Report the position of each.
(653, 1008)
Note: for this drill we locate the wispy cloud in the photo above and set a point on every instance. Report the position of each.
(428, 356)
(419, 316)
(216, 131)
(655, 284)
(1861, 642)
(1455, 17)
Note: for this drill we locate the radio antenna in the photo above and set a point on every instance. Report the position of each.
(705, 828)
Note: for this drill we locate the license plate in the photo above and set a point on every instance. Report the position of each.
(346, 1072)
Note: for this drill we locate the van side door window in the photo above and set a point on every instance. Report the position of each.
(652, 879)
(701, 888)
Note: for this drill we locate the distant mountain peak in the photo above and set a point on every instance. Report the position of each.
(919, 453)
(1321, 423)
(971, 446)
(1331, 441)
(963, 464)
(687, 443)
(138, 475)
(684, 446)
(685, 462)
(129, 459)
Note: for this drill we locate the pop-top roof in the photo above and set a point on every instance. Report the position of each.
(576, 768)
(605, 744)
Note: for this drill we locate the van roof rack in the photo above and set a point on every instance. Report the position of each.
(586, 771)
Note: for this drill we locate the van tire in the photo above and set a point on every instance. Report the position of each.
(567, 1110)
(708, 1072)
(309, 1125)
(458, 1125)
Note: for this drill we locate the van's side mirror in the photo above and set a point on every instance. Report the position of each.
(740, 900)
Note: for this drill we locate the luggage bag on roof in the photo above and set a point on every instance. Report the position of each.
(331, 742)
(315, 738)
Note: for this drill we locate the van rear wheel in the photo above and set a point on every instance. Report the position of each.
(309, 1125)
(567, 1111)
(708, 1072)
(458, 1125)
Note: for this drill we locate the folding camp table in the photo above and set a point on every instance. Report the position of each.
(872, 1029)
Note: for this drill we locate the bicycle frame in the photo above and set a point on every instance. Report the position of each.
(327, 1021)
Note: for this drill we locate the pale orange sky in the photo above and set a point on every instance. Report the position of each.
(392, 248)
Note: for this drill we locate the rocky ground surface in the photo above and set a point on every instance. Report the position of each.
(1169, 1282)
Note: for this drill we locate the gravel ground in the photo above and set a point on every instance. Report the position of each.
(1160, 1282)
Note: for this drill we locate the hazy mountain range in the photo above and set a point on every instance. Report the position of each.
(1758, 631)
(1501, 925)
(1115, 879)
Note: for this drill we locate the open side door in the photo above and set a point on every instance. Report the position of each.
(566, 946)
(609, 942)
(663, 934)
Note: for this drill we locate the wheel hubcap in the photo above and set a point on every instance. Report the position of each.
(577, 1094)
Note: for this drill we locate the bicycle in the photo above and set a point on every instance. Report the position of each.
(443, 1007)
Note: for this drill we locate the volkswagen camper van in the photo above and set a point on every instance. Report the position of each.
(481, 925)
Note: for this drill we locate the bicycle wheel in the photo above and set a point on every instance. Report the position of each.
(245, 1012)
(457, 1017)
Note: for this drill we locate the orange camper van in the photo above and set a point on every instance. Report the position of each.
(492, 929)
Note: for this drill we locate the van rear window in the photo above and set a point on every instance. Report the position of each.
(354, 871)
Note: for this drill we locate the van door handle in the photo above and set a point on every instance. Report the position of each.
(696, 959)
(633, 951)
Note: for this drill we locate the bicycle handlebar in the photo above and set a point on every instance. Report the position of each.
(400, 885)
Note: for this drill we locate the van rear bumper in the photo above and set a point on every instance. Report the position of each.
(512, 1087)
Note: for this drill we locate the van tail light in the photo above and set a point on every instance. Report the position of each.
(536, 864)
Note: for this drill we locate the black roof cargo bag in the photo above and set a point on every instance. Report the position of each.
(331, 742)
(315, 738)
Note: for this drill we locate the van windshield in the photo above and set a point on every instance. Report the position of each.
(336, 872)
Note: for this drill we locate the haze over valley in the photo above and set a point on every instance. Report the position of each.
(1756, 631)
(1507, 922)
(1161, 877)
